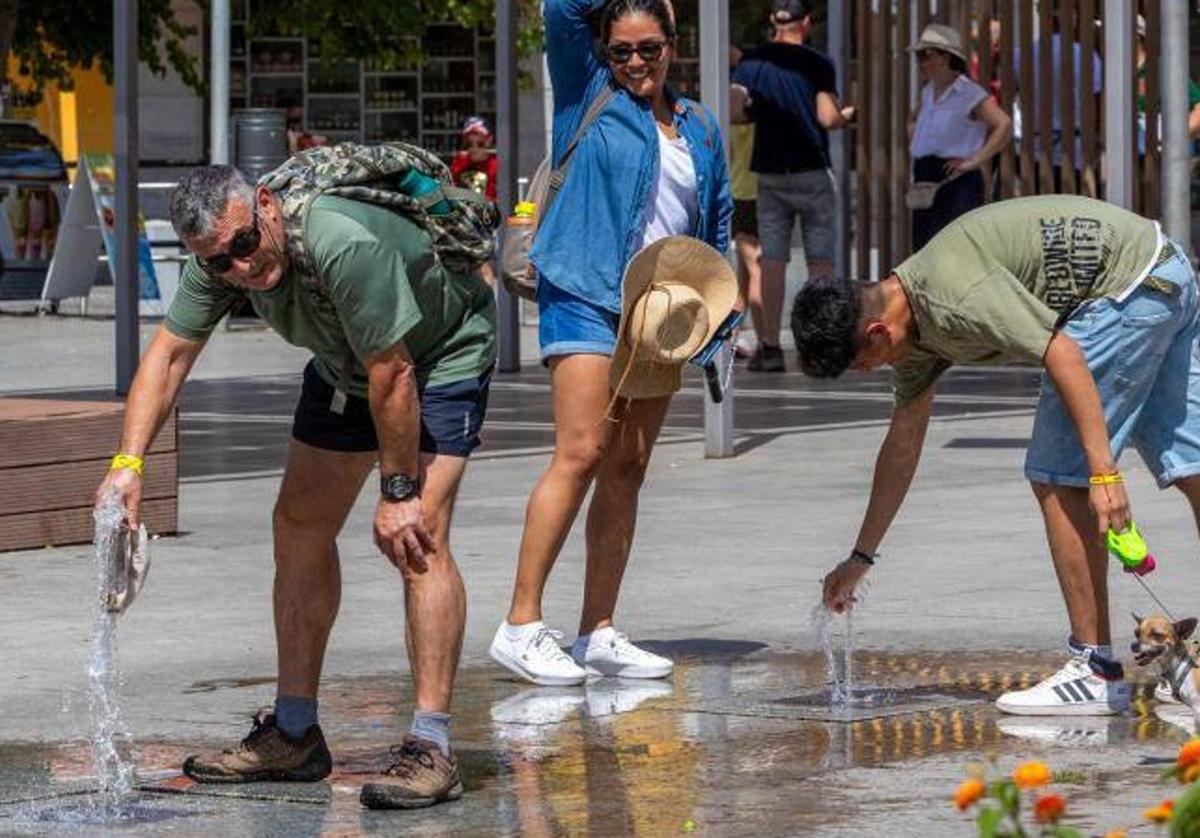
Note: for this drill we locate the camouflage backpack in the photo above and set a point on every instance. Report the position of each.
(462, 238)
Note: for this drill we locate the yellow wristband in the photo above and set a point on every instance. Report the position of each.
(130, 461)
(1106, 479)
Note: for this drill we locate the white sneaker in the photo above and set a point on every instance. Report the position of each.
(1080, 732)
(1163, 694)
(607, 651)
(1072, 691)
(532, 651)
(537, 707)
(611, 696)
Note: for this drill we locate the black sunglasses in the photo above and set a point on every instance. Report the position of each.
(646, 50)
(241, 246)
(922, 54)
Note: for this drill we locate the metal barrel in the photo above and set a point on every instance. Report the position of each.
(259, 139)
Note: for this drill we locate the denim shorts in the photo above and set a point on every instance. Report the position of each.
(570, 325)
(1142, 354)
(451, 416)
(781, 198)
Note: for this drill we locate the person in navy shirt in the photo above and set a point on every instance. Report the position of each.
(790, 87)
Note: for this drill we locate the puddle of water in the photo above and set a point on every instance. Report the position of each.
(110, 737)
(91, 810)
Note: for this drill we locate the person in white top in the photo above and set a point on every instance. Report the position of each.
(957, 128)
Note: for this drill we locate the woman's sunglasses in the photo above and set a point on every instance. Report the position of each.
(924, 54)
(242, 246)
(646, 50)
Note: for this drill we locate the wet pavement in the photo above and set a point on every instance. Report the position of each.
(724, 574)
(715, 750)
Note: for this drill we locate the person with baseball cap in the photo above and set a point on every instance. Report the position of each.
(792, 88)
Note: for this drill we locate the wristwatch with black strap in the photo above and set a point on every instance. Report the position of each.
(398, 487)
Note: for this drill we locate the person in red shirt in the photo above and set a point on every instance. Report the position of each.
(474, 166)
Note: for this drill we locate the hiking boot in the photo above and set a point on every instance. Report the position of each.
(266, 754)
(767, 359)
(421, 775)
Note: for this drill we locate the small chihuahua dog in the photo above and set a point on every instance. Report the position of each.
(1159, 639)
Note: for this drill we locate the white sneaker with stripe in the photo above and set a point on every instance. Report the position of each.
(1075, 690)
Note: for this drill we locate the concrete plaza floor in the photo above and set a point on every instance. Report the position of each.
(724, 577)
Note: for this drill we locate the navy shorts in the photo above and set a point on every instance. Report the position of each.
(451, 417)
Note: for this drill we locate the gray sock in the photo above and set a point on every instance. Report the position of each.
(433, 727)
(294, 714)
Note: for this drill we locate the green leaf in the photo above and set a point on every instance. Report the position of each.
(989, 822)
(1057, 831)
(1009, 796)
(1185, 818)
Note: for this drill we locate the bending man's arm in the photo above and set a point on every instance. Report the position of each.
(400, 531)
(1067, 368)
(894, 470)
(161, 373)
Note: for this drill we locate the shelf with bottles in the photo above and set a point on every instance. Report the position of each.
(447, 78)
(442, 143)
(393, 125)
(328, 114)
(275, 91)
(445, 114)
(333, 78)
(237, 79)
(391, 93)
(237, 42)
(277, 56)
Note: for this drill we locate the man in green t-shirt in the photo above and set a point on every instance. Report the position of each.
(402, 356)
(1107, 306)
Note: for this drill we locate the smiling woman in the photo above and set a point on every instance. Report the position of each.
(651, 165)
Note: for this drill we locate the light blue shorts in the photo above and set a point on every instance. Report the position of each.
(1142, 354)
(571, 325)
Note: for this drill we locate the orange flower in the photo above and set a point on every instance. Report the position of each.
(1191, 773)
(1031, 774)
(1160, 813)
(967, 793)
(1189, 753)
(1116, 833)
(1049, 808)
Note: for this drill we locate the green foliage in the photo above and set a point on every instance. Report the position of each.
(385, 31)
(1185, 818)
(53, 36)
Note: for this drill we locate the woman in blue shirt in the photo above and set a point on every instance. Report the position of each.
(651, 165)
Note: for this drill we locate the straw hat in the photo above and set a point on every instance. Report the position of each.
(940, 37)
(675, 295)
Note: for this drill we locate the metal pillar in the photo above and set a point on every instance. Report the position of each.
(124, 260)
(839, 143)
(1176, 145)
(714, 92)
(218, 94)
(508, 306)
(1118, 101)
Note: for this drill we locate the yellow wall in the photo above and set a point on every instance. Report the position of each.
(90, 126)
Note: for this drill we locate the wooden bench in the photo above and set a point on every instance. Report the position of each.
(53, 455)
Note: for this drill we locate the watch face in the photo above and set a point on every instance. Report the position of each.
(398, 486)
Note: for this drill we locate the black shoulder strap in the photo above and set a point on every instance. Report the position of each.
(559, 173)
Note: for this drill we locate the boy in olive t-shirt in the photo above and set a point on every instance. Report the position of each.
(1107, 306)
